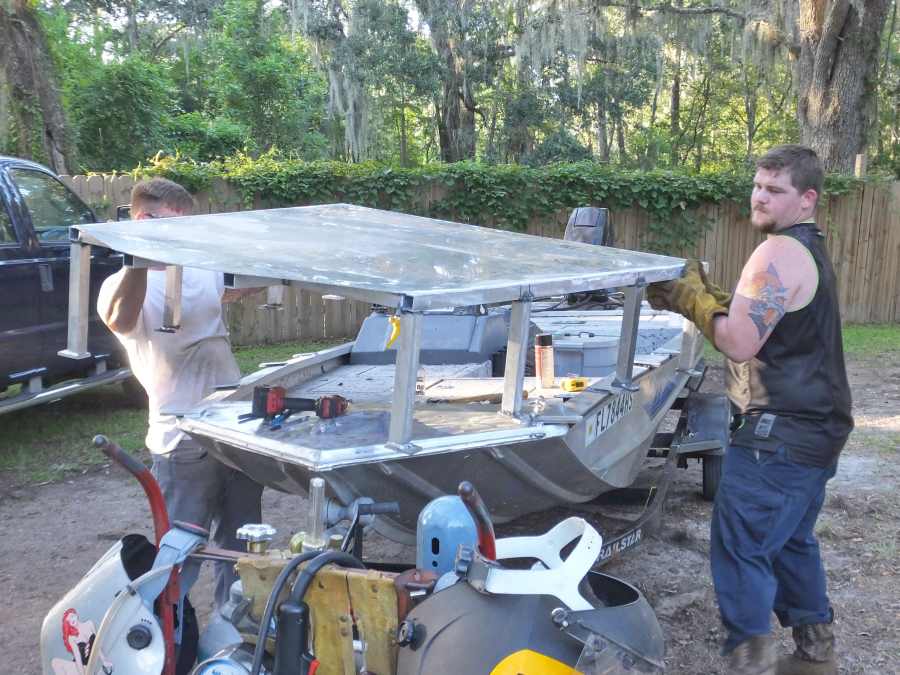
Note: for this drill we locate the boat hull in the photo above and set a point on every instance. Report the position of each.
(603, 450)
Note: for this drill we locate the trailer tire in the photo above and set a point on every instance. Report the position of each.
(712, 474)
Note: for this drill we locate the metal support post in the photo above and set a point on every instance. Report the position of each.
(516, 348)
(631, 317)
(405, 372)
(172, 307)
(79, 301)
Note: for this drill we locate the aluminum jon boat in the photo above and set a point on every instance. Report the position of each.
(422, 419)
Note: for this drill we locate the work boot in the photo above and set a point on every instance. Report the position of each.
(814, 654)
(755, 656)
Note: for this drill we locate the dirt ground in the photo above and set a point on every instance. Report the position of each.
(52, 534)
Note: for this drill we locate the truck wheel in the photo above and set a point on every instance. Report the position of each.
(134, 393)
(712, 474)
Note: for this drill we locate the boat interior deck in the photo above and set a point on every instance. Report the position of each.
(450, 399)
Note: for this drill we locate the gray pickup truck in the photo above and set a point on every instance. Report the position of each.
(36, 211)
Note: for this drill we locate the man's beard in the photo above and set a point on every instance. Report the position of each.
(767, 227)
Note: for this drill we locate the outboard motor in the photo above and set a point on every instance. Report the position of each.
(590, 225)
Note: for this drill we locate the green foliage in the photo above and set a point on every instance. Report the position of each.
(196, 137)
(559, 147)
(267, 81)
(407, 81)
(120, 114)
(507, 196)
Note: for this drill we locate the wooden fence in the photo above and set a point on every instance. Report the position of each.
(863, 234)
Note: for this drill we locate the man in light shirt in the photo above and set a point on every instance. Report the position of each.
(178, 369)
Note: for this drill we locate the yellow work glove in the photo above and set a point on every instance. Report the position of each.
(689, 297)
(722, 297)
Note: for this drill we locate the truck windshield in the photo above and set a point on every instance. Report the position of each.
(53, 207)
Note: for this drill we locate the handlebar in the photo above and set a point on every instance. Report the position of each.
(378, 508)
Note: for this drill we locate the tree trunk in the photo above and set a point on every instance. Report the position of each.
(836, 69)
(751, 104)
(404, 157)
(36, 125)
(456, 108)
(675, 107)
(132, 27)
(620, 140)
(602, 138)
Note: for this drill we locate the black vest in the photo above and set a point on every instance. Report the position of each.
(798, 376)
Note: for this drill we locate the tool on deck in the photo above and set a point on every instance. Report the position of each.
(573, 383)
(274, 406)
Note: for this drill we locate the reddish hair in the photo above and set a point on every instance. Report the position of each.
(68, 630)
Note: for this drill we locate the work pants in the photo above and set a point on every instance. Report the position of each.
(199, 489)
(763, 551)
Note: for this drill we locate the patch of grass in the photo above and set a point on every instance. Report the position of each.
(871, 339)
(860, 341)
(48, 442)
(711, 355)
(885, 442)
(825, 528)
(249, 358)
(886, 548)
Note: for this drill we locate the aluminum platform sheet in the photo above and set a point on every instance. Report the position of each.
(385, 257)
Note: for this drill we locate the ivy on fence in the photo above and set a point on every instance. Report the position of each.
(507, 196)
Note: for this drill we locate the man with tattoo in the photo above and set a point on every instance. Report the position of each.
(781, 334)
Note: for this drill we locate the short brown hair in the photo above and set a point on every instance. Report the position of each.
(151, 194)
(802, 164)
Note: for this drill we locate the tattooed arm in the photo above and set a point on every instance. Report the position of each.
(779, 277)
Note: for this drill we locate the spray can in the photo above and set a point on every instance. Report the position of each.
(543, 359)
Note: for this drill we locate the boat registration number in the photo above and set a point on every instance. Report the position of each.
(607, 416)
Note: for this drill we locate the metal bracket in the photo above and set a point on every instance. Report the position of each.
(274, 298)
(405, 371)
(405, 448)
(172, 307)
(631, 317)
(34, 377)
(79, 301)
(136, 263)
(516, 349)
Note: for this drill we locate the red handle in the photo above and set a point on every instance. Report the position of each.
(487, 543)
(169, 597)
(158, 510)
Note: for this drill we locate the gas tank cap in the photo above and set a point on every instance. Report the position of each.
(139, 636)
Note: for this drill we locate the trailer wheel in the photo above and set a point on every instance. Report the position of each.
(712, 474)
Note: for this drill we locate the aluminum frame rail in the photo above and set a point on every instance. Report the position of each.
(405, 262)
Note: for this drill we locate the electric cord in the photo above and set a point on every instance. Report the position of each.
(298, 591)
(280, 581)
(306, 576)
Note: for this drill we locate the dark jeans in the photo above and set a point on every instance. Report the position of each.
(201, 490)
(763, 551)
